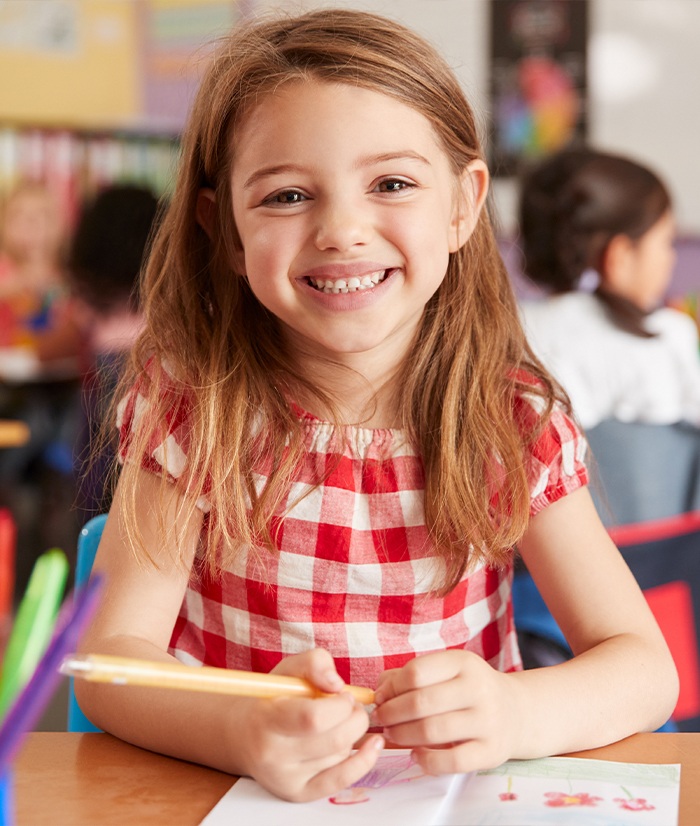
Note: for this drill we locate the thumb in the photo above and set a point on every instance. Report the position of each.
(316, 666)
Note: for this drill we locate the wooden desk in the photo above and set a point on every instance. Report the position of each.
(87, 779)
(13, 433)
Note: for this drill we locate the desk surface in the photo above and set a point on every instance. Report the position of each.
(85, 779)
(13, 433)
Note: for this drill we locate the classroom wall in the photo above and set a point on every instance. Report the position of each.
(644, 69)
(644, 73)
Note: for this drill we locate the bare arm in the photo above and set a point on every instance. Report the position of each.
(621, 680)
(136, 619)
(299, 749)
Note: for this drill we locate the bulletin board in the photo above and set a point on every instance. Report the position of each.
(107, 63)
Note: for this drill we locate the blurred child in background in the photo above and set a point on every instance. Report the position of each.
(34, 308)
(597, 234)
(80, 309)
(41, 349)
(108, 249)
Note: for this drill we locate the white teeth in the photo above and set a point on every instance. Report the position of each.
(348, 285)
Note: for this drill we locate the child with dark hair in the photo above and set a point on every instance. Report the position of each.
(109, 247)
(588, 215)
(106, 255)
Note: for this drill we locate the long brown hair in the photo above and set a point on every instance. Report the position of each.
(460, 379)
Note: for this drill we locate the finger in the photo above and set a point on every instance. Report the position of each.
(439, 729)
(334, 743)
(425, 702)
(296, 717)
(345, 773)
(317, 666)
(420, 672)
(385, 677)
(291, 752)
(473, 755)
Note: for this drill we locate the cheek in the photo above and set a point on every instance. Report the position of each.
(671, 260)
(421, 233)
(267, 243)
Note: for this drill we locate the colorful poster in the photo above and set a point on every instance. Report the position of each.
(177, 39)
(538, 79)
(107, 64)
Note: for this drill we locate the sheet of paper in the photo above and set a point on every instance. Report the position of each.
(565, 790)
(555, 790)
(395, 791)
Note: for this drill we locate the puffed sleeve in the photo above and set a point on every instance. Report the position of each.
(557, 463)
(168, 438)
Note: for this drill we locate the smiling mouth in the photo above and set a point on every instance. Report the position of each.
(354, 284)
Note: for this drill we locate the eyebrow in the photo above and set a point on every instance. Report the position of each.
(370, 160)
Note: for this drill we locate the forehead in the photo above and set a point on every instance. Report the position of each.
(304, 107)
(34, 199)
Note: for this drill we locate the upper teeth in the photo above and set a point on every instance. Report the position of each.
(349, 285)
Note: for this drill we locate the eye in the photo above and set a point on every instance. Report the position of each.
(285, 197)
(391, 185)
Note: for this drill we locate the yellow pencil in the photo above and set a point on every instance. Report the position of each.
(103, 668)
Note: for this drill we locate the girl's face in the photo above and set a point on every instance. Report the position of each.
(347, 210)
(653, 258)
(32, 228)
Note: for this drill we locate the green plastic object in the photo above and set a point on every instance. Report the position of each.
(33, 625)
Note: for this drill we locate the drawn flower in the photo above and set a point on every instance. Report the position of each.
(634, 804)
(562, 799)
(507, 796)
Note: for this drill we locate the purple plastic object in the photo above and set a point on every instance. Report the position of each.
(72, 620)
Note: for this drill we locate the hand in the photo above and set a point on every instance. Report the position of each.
(301, 749)
(454, 710)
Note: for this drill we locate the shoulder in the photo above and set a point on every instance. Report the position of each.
(565, 304)
(554, 428)
(548, 321)
(674, 325)
(159, 407)
(556, 456)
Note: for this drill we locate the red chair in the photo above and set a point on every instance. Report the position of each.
(8, 542)
(664, 556)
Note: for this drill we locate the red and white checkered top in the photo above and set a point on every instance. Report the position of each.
(353, 568)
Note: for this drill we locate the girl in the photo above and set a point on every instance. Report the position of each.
(336, 436)
(586, 213)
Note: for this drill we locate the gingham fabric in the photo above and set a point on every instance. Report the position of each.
(353, 569)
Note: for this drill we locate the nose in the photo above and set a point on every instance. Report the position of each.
(342, 225)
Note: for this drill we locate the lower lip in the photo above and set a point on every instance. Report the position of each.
(342, 302)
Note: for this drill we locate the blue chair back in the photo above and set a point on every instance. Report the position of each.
(88, 542)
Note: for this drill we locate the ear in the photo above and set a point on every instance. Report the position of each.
(473, 188)
(206, 218)
(206, 210)
(615, 261)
